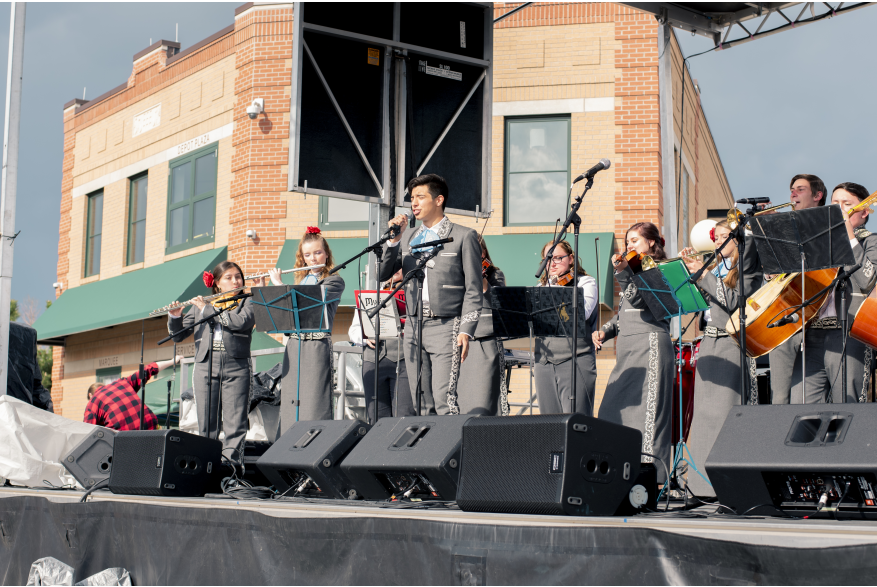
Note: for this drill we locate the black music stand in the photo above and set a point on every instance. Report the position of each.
(528, 312)
(292, 309)
(783, 249)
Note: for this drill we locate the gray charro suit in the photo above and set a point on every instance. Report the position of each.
(453, 280)
(231, 371)
(824, 345)
(552, 370)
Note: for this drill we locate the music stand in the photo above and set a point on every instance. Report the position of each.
(520, 312)
(778, 238)
(669, 294)
(292, 309)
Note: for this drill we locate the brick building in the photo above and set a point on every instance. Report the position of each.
(164, 175)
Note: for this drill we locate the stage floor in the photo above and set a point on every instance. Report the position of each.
(227, 541)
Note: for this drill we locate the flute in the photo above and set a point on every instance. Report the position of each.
(173, 306)
(258, 275)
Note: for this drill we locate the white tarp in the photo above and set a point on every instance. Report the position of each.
(33, 442)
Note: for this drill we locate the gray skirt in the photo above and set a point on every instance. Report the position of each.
(716, 391)
(309, 398)
(638, 394)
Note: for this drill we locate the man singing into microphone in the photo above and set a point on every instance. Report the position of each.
(452, 287)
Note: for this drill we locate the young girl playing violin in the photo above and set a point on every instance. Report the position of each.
(639, 392)
(553, 371)
(313, 391)
(227, 380)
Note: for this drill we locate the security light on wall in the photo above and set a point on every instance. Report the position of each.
(58, 285)
(251, 233)
(256, 108)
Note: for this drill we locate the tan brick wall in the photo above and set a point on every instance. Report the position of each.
(548, 51)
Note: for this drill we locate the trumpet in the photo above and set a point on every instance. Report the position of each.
(735, 216)
(285, 271)
(649, 263)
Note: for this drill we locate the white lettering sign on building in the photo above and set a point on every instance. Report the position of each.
(146, 120)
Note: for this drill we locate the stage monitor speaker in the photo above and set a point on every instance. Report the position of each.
(797, 459)
(415, 457)
(549, 464)
(305, 461)
(164, 462)
(92, 459)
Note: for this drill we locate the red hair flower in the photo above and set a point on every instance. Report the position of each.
(208, 279)
(313, 230)
(713, 234)
(662, 241)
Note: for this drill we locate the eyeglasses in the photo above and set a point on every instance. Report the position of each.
(558, 259)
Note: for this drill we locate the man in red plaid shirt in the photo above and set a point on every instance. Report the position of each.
(117, 405)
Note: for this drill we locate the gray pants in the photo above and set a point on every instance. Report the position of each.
(230, 394)
(314, 390)
(554, 382)
(823, 350)
(782, 364)
(478, 390)
(394, 393)
(441, 350)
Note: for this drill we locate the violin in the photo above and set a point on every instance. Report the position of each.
(562, 280)
(634, 261)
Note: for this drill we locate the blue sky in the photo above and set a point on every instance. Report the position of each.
(797, 102)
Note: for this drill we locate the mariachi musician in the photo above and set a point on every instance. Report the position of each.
(717, 380)
(483, 385)
(807, 191)
(824, 344)
(227, 380)
(639, 392)
(553, 354)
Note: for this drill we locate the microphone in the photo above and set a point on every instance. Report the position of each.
(603, 164)
(790, 319)
(440, 241)
(753, 201)
(396, 229)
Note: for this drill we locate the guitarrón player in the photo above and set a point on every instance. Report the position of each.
(824, 338)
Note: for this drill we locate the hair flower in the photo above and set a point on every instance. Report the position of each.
(713, 234)
(208, 279)
(662, 241)
(313, 230)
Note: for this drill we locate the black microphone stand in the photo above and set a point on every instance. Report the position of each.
(419, 274)
(211, 324)
(576, 220)
(378, 249)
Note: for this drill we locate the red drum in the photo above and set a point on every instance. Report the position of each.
(689, 352)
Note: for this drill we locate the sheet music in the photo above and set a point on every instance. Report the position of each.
(391, 324)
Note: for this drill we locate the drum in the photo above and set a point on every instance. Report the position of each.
(688, 351)
(864, 328)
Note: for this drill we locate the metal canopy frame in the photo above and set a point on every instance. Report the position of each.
(388, 186)
(702, 19)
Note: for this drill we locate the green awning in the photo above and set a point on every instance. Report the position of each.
(518, 256)
(126, 298)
